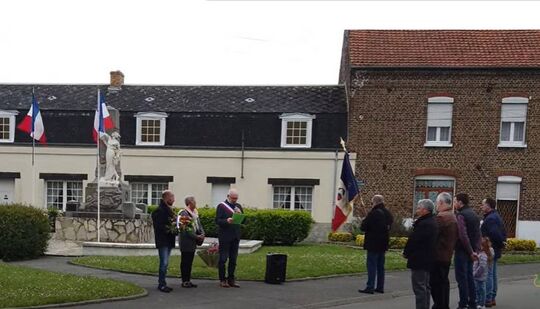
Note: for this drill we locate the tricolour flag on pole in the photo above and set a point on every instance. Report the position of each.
(102, 119)
(33, 123)
(346, 192)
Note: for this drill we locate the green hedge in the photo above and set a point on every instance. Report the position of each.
(24, 232)
(272, 226)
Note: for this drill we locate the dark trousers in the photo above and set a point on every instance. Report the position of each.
(465, 280)
(440, 285)
(375, 268)
(186, 263)
(228, 250)
(421, 288)
(164, 254)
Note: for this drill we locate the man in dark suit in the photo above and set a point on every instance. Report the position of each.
(229, 238)
(420, 252)
(190, 235)
(162, 219)
(376, 225)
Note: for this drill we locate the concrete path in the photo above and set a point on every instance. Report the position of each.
(338, 292)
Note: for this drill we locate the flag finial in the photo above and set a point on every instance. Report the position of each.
(342, 142)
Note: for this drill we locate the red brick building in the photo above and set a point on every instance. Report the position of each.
(456, 111)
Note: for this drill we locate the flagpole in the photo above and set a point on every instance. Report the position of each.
(98, 173)
(32, 135)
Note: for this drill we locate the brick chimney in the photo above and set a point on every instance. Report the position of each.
(117, 80)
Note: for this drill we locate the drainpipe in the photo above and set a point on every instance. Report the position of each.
(242, 165)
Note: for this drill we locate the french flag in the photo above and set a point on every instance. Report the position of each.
(102, 118)
(33, 123)
(347, 191)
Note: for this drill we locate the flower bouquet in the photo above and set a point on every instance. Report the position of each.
(210, 256)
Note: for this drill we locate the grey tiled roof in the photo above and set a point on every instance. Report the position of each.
(249, 99)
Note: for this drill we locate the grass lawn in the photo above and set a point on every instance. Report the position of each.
(303, 261)
(23, 286)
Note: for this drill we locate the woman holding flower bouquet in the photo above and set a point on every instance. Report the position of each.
(191, 235)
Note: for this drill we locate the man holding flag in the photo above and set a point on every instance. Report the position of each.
(376, 226)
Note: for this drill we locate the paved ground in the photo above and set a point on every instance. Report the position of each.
(517, 290)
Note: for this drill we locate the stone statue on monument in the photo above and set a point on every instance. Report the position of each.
(112, 160)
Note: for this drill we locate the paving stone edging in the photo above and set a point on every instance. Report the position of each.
(90, 301)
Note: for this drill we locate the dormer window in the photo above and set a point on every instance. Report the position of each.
(296, 130)
(7, 126)
(151, 129)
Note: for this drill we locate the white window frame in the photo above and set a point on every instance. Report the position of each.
(11, 115)
(64, 192)
(151, 116)
(292, 195)
(515, 180)
(438, 143)
(296, 117)
(512, 143)
(148, 186)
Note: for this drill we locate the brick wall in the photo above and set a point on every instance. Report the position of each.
(387, 129)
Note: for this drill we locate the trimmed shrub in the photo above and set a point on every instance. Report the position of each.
(275, 226)
(513, 244)
(398, 242)
(272, 226)
(340, 236)
(24, 232)
(359, 240)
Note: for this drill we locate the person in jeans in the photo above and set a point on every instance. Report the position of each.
(191, 234)
(444, 249)
(493, 228)
(420, 251)
(480, 271)
(162, 219)
(467, 245)
(376, 226)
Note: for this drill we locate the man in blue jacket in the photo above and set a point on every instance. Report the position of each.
(493, 228)
(162, 219)
(229, 238)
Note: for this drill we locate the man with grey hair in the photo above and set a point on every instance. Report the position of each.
(229, 238)
(376, 226)
(444, 249)
(420, 251)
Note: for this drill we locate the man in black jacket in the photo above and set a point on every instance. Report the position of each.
(162, 219)
(420, 251)
(467, 245)
(376, 226)
(229, 238)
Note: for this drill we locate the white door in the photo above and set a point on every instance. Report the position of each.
(7, 187)
(219, 193)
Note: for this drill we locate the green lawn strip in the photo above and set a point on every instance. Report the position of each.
(303, 261)
(23, 286)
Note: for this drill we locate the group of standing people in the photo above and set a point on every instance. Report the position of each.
(191, 233)
(449, 228)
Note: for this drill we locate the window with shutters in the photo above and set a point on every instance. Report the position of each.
(439, 122)
(508, 191)
(513, 122)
